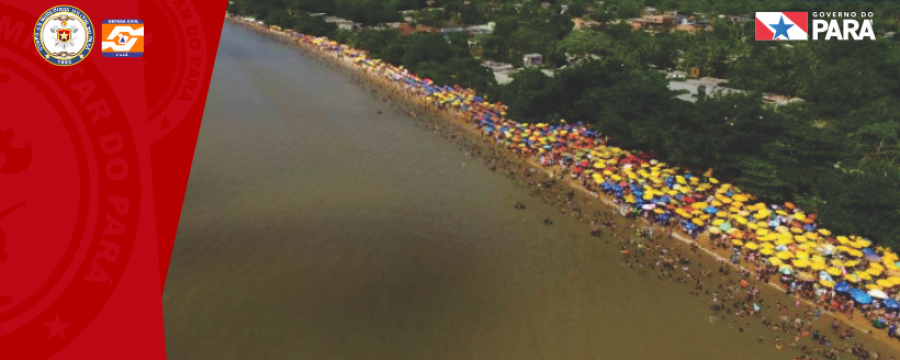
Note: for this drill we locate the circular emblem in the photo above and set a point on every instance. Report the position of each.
(64, 35)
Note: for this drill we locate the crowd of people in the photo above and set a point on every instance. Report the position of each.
(782, 243)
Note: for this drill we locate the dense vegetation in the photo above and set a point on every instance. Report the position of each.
(835, 154)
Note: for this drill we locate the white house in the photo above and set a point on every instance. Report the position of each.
(342, 24)
(532, 60)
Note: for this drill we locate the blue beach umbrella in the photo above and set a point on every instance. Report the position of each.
(862, 298)
(711, 210)
(891, 304)
(842, 287)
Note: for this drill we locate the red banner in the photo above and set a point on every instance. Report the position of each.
(102, 103)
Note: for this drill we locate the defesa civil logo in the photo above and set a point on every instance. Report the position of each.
(123, 38)
(780, 26)
(64, 35)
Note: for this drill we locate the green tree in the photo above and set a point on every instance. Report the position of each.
(459, 44)
(494, 48)
(586, 42)
(422, 48)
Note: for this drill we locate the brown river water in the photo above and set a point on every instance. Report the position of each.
(316, 228)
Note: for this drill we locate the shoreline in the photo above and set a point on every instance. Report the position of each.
(453, 120)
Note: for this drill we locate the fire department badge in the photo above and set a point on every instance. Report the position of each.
(64, 35)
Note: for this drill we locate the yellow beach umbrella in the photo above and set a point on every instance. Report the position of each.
(818, 266)
(796, 230)
(767, 251)
(800, 263)
(824, 232)
(737, 242)
(752, 245)
(826, 283)
(885, 283)
(784, 241)
(833, 271)
(873, 287)
(774, 261)
(784, 255)
(894, 280)
(863, 275)
(740, 197)
(874, 271)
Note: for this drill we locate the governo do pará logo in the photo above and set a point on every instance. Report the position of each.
(64, 35)
(793, 26)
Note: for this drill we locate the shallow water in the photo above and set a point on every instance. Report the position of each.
(315, 228)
